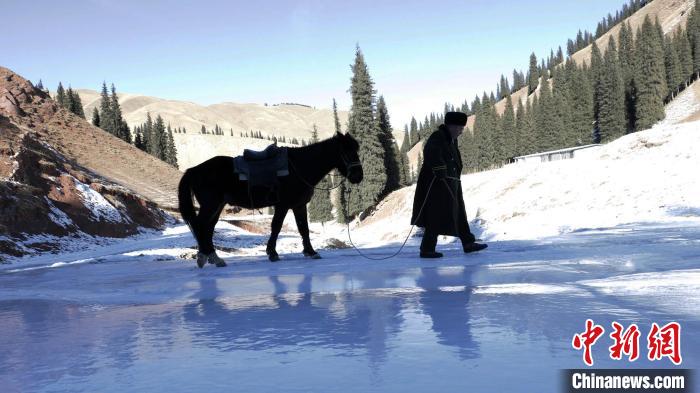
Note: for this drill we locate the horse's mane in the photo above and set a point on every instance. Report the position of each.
(322, 145)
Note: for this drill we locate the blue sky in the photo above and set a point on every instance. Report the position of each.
(420, 54)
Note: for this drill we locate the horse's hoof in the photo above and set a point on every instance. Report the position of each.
(313, 255)
(201, 260)
(272, 255)
(216, 260)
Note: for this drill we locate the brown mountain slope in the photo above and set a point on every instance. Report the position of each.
(57, 176)
(92, 147)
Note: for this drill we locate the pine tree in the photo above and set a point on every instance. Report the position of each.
(533, 74)
(694, 35)
(149, 140)
(468, 151)
(527, 137)
(485, 126)
(650, 77)
(61, 95)
(336, 120)
(74, 103)
(508, 129)
(171, 149)
(626, 58)
(673, 65)
(503, 87)
(685, 55)
(545, 119)
(597, 76)
(160, 140)
(363, 126)
(611, 97)
(138, 139)
(320, 204)
(582, 115)
(125, 131)
(69, 100)
(391, 153)
(106, 117)
(561, 108)
(117, 120)
(570, 47)
(95, 117)
(403, 154)
(517, 84)
(414, 132)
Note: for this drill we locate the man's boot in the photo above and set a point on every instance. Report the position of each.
(427, 245)
(473, 247)
(430, 254)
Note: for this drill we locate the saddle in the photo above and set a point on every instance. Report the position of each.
(270, 152)
(261, 169)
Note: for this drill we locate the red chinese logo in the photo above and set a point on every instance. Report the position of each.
(586, 340)
(661, 341)
(625, 343)
(665, 342)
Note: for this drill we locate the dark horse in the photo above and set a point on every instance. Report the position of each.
(214, 184)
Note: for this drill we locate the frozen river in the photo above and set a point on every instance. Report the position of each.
(133, 316)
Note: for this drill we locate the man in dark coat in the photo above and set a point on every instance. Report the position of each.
(439, 190)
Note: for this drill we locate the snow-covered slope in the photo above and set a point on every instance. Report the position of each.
(646, 176)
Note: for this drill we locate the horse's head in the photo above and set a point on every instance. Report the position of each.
(349, 163)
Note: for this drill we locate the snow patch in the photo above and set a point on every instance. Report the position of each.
(677, 110)
(523, 289)
(100, 207)
(58, 216)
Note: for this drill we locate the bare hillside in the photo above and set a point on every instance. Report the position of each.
(671, 14)
(281, 120)
(97, 150)
(62, 179)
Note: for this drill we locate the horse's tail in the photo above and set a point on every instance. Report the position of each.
(184, 196)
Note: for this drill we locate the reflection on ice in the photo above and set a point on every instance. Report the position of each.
(400, 326)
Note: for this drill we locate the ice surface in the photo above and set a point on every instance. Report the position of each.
(612, 239)
(136, 316)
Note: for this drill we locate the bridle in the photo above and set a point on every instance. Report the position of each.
(349, 164)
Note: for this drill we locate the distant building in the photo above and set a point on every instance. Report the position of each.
(556, 155)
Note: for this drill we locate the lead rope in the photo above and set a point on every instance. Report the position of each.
(405, 240)
(347, 194)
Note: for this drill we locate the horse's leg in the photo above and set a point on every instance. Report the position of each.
(209, 238)
(303, 226)
(277, 220)
(206, 220)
